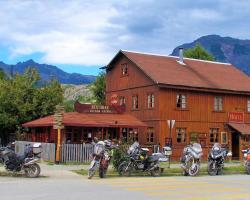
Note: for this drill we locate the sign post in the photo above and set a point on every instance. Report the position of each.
(58, 124)
(171, 123)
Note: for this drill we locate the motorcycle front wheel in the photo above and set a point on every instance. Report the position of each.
(248, 167)
(124, 169)
(102, 173)
(32, 171)
(91, 173)
(212, 171)
(194, 169)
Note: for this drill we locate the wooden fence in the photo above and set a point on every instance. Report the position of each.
(48, 150)
(78, 153)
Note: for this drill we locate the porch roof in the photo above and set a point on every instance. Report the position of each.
(244, 129)
(90, 120)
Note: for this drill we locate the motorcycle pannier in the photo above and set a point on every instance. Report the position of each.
(37, 148)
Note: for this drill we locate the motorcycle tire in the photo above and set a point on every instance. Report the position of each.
(32, 171)
(248, 167)
(220, 172)
(91, 173)
(210, 170)
(156, 172)
(195, 171)
(102, 173)
(124, 169)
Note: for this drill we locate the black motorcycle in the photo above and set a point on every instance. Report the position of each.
(137, 159)
(216, 159)
(26, 162)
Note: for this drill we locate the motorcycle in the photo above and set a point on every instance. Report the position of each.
(137, 159)
(190, 161)
(101, 158)
(26, 162)
(246, 155)
(216, 159)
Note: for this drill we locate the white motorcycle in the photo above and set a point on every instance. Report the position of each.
(190, 161)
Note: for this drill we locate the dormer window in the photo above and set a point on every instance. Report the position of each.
(124, 69)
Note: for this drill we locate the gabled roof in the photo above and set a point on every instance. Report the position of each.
(90, 119)
(199, 74)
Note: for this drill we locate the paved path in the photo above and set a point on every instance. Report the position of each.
(60, 183)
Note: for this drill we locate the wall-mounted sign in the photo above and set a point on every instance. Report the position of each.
(114, 99)
(90, 108)
(236, 116)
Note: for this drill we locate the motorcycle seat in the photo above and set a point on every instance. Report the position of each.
(153, 158)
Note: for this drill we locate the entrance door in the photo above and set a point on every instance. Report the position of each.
(235, 145)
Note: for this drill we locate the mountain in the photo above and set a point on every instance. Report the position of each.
(49, 71)
(224, 49)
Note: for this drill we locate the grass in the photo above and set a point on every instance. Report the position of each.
(171, 171)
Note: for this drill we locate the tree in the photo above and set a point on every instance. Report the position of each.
(22, 100)
(198, 52)
(2, 74)
(98, 88)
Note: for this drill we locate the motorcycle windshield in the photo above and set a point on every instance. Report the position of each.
(216, 147)
(99, 149)
(197, 148)
(133, 147)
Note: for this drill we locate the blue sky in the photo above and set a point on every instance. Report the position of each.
(81, 36)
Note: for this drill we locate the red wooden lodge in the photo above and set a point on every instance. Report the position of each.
(208, 101)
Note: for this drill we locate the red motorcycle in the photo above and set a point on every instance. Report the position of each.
(101, 158)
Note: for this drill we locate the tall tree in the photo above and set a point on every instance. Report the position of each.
(22, 100)
(98, 88)
(198, 52)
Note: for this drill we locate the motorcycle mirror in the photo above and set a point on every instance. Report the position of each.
(229, 153)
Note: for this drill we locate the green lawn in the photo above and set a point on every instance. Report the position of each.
(172, 171)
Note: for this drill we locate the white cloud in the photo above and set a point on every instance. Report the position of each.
(89, 32)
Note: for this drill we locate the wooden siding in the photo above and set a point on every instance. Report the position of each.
(199, 116)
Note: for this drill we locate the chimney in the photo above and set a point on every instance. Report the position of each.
(181, 56)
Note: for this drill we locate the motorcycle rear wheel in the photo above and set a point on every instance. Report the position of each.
(32, 171)
(124, 169)
(211, 171)
(155, 172)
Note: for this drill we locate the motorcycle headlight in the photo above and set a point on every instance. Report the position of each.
(245, 155)
(216, 148)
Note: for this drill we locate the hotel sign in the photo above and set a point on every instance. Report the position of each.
(236, 116)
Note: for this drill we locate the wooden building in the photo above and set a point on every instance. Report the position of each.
(88, 121)
(207, 102)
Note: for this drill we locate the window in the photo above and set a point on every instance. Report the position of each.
(124, 69)
(181, 135)
(214, 135)
(224, 138)
(181, 101)
(218, 103)
(135, 105)
(151, 100)
(150, 135)
(248, 105)
(122, 101)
